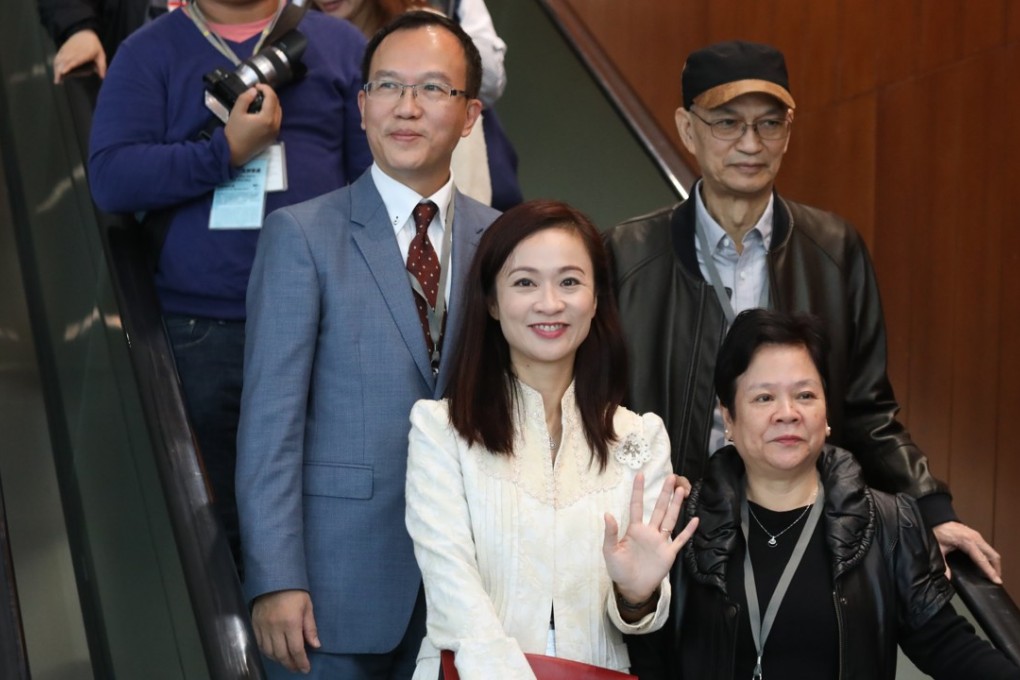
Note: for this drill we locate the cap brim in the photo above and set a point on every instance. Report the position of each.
(720, 94)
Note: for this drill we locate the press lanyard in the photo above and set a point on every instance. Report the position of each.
(195, 14)
(435, 315)
(760, 629)
(716, 279)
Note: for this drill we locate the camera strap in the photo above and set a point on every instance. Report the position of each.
(289, 18)
(195, 14)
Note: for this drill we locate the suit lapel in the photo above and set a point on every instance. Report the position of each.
(373, 234)
(467, 232)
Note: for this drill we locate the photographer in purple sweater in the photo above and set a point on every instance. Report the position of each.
(204, 187)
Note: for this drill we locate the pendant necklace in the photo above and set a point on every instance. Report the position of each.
(772, 542)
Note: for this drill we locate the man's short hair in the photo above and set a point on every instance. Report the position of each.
(420, 19)
(721, 72)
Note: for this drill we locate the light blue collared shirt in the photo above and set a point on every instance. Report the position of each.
(745, 275)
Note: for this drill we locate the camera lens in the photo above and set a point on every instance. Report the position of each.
(275, 64)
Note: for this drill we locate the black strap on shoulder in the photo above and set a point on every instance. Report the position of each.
(289, 19)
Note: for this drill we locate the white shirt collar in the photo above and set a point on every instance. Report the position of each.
(400, 199)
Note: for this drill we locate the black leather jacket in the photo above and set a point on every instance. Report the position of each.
(887, 571)
(674, 325)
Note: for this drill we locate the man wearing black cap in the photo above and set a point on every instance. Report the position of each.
(684, 272)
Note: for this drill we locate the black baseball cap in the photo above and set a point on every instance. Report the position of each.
(718, 73)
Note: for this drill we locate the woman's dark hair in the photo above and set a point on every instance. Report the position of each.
(481, 393)
(755, 328)
(419, 19)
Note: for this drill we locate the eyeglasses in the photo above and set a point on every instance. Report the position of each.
(732, 129)
(391, 91)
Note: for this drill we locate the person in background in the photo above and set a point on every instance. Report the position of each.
(798, 569)
(204, 186)
(485, 163)
(87, 32)
(516, 481)
(371, 15)
(354, 304)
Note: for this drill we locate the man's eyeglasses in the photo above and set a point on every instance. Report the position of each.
(732, 129)
(391, 91)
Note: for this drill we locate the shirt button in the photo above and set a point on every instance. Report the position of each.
(743, 276)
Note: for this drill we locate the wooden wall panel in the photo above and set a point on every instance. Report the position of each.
(805, 35)
(973, 228)
(1012, 21)
(938, 30)
(931, 281)
(847, 132)
(1007, 397)
(900, 129)
(892, 246)
(893, 31)
(953, 29)
(857, 60)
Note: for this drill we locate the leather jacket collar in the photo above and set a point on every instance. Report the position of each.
(849, 514)
(684, 218)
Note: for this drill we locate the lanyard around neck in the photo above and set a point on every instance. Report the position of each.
(435, 314)
(760, 628)
(713, 275)
(197, 18)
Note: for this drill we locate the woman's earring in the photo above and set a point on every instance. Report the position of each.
(727, 435)
(828, 430)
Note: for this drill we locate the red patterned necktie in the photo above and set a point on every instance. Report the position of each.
(423, 264)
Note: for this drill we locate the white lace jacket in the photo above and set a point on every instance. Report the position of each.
(502, 541)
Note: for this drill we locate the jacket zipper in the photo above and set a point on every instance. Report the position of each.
(692, 380)
(839, 628)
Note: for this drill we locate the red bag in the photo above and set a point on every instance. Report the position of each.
(548, 668)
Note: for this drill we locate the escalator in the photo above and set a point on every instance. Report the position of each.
(121, 568)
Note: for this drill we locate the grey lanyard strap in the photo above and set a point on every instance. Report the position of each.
(435, 315)
(197, 18)
(716, 280)
(760, 629)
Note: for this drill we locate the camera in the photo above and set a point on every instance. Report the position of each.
(276, 64)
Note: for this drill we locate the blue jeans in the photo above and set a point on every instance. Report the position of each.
(210, 363)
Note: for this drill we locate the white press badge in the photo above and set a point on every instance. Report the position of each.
(276, 178)
(241, 202)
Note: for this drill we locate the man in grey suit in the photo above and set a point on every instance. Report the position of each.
(345, 332)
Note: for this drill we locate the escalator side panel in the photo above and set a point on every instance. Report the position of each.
(137, 614)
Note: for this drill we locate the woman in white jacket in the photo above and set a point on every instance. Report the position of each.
(516, 479)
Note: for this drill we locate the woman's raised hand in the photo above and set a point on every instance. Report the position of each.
(639, 560)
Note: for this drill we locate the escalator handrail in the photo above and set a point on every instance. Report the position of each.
(990, 604)
(676, 170)
(221, 613)
(13, 652)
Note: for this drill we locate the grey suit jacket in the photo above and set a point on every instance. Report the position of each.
(334, 359)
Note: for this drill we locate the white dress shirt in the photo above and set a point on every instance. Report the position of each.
(400, 201)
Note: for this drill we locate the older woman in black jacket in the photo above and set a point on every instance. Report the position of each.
(798, 569)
